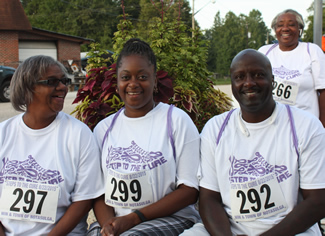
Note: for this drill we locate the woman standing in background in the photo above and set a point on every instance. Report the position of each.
(298, 67)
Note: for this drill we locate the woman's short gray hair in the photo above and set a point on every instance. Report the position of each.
(299, 19)
(25, 77)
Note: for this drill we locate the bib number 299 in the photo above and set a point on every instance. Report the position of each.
(122, 191)
(29, 199)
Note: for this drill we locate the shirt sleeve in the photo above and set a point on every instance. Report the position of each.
(187, 145)
(312, 155)
(317, 66)
(264, 49)
(89, 180)
(208, 162)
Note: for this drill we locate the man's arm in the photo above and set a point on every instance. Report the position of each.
(303, 216)
(70, 219)
(214, 217)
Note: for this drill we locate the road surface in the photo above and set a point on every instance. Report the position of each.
(7, 111)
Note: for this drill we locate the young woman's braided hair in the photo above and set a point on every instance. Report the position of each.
(136, 46)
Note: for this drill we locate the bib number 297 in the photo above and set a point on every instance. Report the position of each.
(29, 199)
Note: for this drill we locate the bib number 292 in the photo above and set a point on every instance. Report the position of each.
(254, 199)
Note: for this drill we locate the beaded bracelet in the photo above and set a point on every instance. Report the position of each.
(140, 215)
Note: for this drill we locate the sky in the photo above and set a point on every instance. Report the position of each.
(268, 8)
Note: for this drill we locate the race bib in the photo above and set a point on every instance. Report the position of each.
(285, 91)
(129, 190)
(255, 199)
(29, 201)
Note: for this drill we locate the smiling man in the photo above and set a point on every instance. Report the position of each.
(263, 164)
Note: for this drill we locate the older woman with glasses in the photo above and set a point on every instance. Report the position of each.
(46, 157)
(298, 67)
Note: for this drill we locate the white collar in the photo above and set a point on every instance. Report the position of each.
(242, 123)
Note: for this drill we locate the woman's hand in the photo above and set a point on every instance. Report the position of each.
(118, 225)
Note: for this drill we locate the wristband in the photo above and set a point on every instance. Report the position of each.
(140, 215)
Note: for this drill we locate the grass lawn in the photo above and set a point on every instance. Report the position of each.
(221, 81)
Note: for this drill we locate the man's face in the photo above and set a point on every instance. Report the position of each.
(251, 80)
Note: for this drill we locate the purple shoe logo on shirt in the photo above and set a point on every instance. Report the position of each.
(133, 158)
(28, 170)
(285, 73)
(243, 170)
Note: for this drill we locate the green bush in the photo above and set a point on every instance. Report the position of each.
(183, 77)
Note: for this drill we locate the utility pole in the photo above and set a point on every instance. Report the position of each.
(194, 13)
(193, 21)
(318, 20)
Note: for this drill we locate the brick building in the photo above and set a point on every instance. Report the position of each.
(19, 40)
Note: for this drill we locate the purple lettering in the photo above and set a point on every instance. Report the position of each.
(163, 160)
(287, 174)
(157, 162)
(125, 166)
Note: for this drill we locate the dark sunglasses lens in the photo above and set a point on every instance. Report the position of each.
(53, 82)
(66, 81)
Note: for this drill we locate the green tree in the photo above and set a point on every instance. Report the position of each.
(213, 35)
(167, 11)
(179, 56)
(96, 19)
(309, 32)
(232, 34)
(257, 30)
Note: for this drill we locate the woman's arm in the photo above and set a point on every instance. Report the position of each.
(171, 203)
(102, 211)
(214, 216)
(2, 230)
(70, 219)
(321, 101)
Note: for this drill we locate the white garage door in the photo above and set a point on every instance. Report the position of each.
(28, 49)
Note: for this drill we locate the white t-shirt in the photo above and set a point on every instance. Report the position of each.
(143, 144)
(248, 151)
(64, 153)
(303, 68)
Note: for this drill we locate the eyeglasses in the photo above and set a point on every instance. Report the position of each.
(54, 82)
